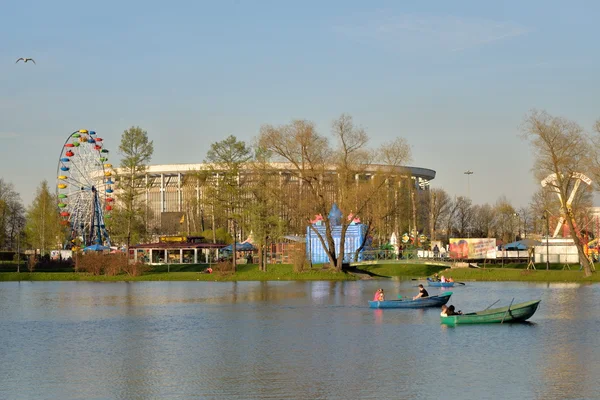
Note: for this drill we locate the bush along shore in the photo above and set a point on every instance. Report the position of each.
(286, 272)
(181, 272)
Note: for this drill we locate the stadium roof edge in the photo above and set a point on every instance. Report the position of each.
(419, 172)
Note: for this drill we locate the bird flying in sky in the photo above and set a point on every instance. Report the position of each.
(25, 60)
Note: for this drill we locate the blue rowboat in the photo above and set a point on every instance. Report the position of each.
(431, 301)
(439, 283)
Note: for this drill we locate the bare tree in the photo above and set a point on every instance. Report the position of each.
(483, 220)
(328, 175)
(541, 204)
(450, 219)
(525, 218)
(463, 215)
(595, 154)
(440, 203)
(561, 154)
(505, 225)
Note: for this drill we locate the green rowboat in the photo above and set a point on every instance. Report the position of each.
(513, 313)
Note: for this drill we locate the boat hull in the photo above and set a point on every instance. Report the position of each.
(439, 284)
(431, 301)
(517, 313)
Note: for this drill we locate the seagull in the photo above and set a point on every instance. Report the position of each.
(25, 60)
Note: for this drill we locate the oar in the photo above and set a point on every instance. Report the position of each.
(460, 283)
(507, 310)
(491, 305)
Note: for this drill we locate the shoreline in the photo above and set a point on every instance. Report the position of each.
(283, 272)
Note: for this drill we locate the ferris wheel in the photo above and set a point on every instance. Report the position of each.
(84, 189)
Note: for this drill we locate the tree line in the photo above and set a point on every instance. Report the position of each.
(293, 172)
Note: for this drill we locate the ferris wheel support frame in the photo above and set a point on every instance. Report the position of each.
(98, 234)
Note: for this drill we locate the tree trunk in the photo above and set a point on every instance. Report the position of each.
(263, 253)
(328, 251)
(431, 216)
(233, 247)
(363, 242)
(333, 256)
(340, 258)
(585, 263)
(187, 221)
(129, 233)
(214, 234)
(43, 227)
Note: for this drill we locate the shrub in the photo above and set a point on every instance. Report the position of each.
(224, 267)
(114, 264)
(45, 264)
(135, 269)
(299, 259)
(90, 263)
(100, 263)
(7, 255)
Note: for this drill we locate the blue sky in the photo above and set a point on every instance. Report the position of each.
(454, 78)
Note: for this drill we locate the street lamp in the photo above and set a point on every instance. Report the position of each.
(468, 173)
(518, 226)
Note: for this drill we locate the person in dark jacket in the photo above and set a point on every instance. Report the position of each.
(451, 311)
(422, 293)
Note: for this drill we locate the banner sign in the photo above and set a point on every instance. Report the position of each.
(472, 248)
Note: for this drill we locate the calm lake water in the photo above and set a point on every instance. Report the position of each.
(290, 340)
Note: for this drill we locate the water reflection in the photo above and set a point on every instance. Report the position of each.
(378, 316)
(303, 340)
(565, 362)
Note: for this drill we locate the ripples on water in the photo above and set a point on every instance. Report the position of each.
(289, 340)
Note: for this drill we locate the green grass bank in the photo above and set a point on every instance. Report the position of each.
(284, 272)
(510, 272)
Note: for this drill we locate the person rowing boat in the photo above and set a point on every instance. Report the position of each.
(422, 293)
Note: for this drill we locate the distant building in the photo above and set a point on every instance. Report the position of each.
(174, 193)
(176, 250)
